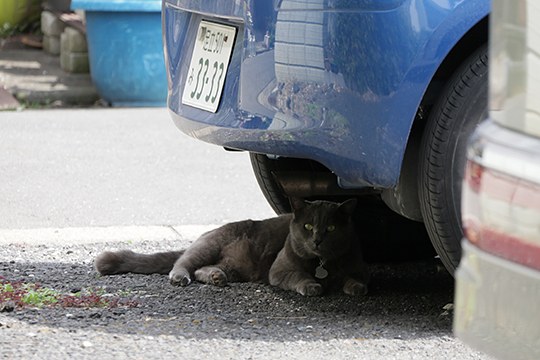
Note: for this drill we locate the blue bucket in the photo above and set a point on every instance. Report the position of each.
(126, 50)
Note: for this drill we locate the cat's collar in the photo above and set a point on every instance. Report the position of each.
(320, 270)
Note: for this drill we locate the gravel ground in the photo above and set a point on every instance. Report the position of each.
(403, 316)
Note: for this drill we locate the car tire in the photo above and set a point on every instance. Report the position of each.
(263, 167)
(459, 109)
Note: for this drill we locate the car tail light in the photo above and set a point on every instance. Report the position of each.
(501, 214)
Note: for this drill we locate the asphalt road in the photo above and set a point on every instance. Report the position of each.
(73, 168)
(76, 182)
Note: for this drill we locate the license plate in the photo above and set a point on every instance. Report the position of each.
(208, 66)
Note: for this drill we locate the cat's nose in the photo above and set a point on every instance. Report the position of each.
(317, 240)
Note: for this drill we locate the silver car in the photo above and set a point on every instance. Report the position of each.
(498, 280)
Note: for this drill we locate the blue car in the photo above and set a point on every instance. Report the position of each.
(338, 98)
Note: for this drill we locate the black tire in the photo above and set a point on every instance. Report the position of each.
(263, 167)
(459, 109)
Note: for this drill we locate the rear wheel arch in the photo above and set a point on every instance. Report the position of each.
(404, 198)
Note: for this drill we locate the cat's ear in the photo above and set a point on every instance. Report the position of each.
(348, 206)
(297, 203)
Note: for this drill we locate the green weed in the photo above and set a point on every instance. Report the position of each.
(21, 294)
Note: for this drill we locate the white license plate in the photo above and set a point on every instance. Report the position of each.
(208, 66)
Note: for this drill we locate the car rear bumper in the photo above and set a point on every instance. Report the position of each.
(335, 82)
(497, 305)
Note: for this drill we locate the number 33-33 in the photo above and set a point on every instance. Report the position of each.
(214, 83)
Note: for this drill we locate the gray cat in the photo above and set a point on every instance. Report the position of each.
(313, 249)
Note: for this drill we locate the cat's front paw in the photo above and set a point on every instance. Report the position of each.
(179, 278)
(355, 288)
(211, 275)
(219, 278)
(310, 289)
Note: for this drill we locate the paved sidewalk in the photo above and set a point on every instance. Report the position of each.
(101, 234)
(7, 101)
(35, 77)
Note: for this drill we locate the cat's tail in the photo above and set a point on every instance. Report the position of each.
(125, 261)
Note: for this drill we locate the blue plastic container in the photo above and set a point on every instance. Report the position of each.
(125, 50)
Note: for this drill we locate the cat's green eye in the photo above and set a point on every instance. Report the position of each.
(330, 228)
(308, 227)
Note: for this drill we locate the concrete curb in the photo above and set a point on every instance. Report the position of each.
(89, 235)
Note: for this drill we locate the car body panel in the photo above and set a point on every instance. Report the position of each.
(498, 279)
(338, 82)
(497, 307)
